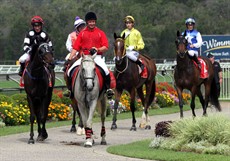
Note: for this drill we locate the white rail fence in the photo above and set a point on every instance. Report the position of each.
(164, 74)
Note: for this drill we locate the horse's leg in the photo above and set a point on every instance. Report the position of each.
(202, 101)
(80, 128)
(103, 115)
(146, 106)
(179, 92)
(43, 115)
(132, 107)
(73, 127)
(192, 104)
(117, 100)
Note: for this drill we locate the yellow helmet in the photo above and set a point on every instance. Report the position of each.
(129, 18)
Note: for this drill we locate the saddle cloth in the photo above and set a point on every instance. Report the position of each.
(204, 68)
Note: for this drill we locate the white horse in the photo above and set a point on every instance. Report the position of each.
(88, 96)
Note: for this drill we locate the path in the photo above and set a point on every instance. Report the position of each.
(62, 145)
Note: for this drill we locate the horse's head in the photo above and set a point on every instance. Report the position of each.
(88, 71)
(181, 44)
(119, 48)
(45, 54)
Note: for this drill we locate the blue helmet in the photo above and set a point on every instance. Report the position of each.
(190, 21)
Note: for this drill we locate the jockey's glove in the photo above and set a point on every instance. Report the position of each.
(92, 51)
(130, 48)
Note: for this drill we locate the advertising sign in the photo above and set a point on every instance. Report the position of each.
(217, 45)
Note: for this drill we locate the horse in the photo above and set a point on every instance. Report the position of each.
(88, 96)
(128, 78)
(187, 76)
(39, 79)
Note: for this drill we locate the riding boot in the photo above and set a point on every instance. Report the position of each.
(22, 67)
(197, 61)
(109, 92)
(140, 64)
(68, 92)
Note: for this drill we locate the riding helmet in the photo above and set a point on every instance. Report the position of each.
(129, 19)
(78, 22)
(190, 21)
(37, 20)
(90, 16)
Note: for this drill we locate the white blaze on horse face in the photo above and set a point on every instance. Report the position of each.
(89, 73)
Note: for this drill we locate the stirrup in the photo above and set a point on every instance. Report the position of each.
(109, 93)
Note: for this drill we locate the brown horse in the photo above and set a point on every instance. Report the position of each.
(128, 78)
(39, 79)
(187, 76)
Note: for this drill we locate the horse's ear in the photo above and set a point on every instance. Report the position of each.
(115, 35)
(123, 36)
(185, 33)
(178, 33)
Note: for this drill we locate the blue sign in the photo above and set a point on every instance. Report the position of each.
(217, 45)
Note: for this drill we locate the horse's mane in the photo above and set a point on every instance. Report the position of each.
(34, 49)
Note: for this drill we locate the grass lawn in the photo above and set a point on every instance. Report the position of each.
(141, 150)
(7, 130)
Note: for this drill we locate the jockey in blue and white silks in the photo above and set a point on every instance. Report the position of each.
(194, 39)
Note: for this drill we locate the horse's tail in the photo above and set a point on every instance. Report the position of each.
(152, 94)
(214, 96)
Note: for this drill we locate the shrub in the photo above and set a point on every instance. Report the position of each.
(55, 99)
(164, 100)
(59, 112)
(4, 98)
(20, 99)
(14, 115)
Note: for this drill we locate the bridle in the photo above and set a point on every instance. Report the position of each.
(123, 57)
(181, 44)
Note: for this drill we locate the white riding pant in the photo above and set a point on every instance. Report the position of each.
(192, 53)
(132, 55)
(98, 60)
(25, 57)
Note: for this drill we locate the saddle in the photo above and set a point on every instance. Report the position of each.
(21, 82)
(100, 75)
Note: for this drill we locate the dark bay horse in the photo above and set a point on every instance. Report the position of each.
(128, 78)
(39, 80)
(89, 95)
(187, 76)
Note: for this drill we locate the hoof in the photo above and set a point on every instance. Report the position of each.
(147, 127)
(31, 141)
(88, 143)
(42, 137)
(133, 128)
(113, 127)
(80, 131)
(73, 129)
(103, 143)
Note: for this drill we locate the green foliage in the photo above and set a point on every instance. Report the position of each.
(20, 99)
(156, 20)
(56, 98)
(209, 135)
(4, 98)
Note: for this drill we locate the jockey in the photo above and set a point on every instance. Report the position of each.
(194, 40)
(90, 38)
(133, 41)
(36, 33)
(79, 24)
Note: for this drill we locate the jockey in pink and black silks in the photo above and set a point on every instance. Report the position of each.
(35, 34)
(194, 39)
(93, 38)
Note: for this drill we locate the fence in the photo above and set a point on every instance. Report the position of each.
(164, 74)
